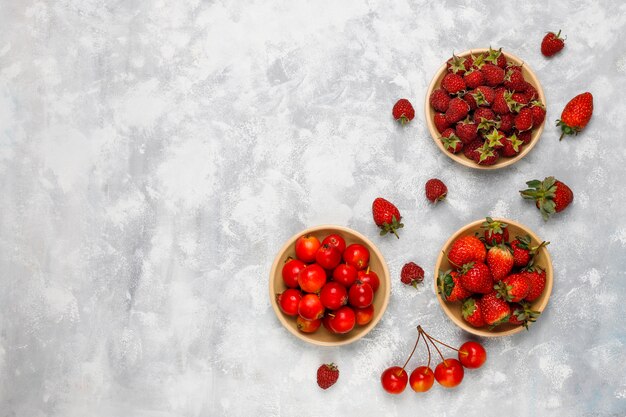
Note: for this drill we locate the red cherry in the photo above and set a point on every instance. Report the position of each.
(333, 295)
(345, 275)
(449, 373)
(360, 295)
(306, 248)
(342, 320)
(369, 277)
(310, 307)
(290, 272)
(422, 379)
(328, 257)
(308, 326)
(364, 315)
(472, 355)
(336, 241)
(325, 323)
(357, 255)
(394, 380)
(289, 301)
(312, 278)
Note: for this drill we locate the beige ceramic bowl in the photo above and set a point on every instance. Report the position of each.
(453, 310)
(322, 336)
(529, 75)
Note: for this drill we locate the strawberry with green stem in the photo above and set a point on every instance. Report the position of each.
(522, 314)
(550, 195)
(386, 216)
(576, 115)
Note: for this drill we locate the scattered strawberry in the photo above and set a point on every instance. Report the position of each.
(403, 111)
(450, 287)
(524, 120)
(476, 277)
(496, 232)
(436, 190)
(494, 309)
(522, 314)
(467, 130)
(512, 146)
(500, 261)
(472, 312)
(453, 83)
(513, 288)
(550, 195)
(494, 75)
(386, 216)
(327, 375)
(467, 249)
(538, 112)
(440, 122)
(451, 141)
(457, 110)
(551, 44)
(537, 281)
(576, 114)
(412, 274)
(473, 78)
(440, 100)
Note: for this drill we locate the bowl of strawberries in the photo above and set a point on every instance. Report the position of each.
(485, 108)
(329, 285)
(494, 277)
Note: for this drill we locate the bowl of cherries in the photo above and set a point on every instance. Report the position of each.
(329, 285)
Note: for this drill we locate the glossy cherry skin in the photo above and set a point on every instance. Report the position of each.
(394, 380)
(364, 315)
(328, 257)
(369, 277)
(310, 307)
(325, 323)
(336, 241)
(357, 255)
(449, 373)
(312, 278)
(306, 248)
(308, 326)
(360, 295)
(472, 355)
(422, 379)
(342, 320)
(333, 295)
(291, 269)
(345, 275)
(289, 300)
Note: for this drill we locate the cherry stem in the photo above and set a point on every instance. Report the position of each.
(413, 351)
(426, 336)
(439, 341)
(428, 347)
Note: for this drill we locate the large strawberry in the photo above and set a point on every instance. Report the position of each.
(495, 310)
(476, 278)
(552, 43)
(386, 216)
(467, 249)
(494, 75)
(453, 83)
(500, 261)
(514, 80)
(457, 110)
(472, 312)
(537, 280)
(513, 288)
(522, 314)
(473, 78)
(450, 288)
(576, 114)
(496, 232)
(524, 119)
(550, 195)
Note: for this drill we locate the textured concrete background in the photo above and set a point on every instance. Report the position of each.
(155, 155)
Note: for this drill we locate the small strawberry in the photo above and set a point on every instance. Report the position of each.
(473, 78)
(531, 92)
(403, 111)
(487, 154)
(495, 139)
(500, 103)
(512, 146)
(412, 274)
(471, 150)
(550, 195)
(537, 281)
(500, 261)
(521, 251)
(453, 83)
(470, 100)
(467, 249)
(458, 65)
(440, 122)
(467, 130)
(551, 44)
(457, 110)
(525, 137)
(576, 114)
(484, 95)
(524, 120)
(483, 113)
(494, 75)
(513, 288)
(496, 57)
(520, 99)
(436, 190)
(440, 100)
(514, 81)
(521, 314)
(496, 232)
(472, 312)
(451, 141)
(327, 375)
(538, 112)
(386, 216)
(513, 105)
(476, 278)
(507, 122)
(495, 310)
(450, 288)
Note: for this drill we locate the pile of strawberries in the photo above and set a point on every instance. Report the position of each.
(485, 108)
(495, 280)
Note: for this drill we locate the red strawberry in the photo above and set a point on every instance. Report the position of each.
(531, 92)
(457, 110)
(471, 150)
(451, 141)
(525, 137)
(537, 281)
(521, 314)
(467, 249)
(550, 195)
(472, 312)
(450, 288)
(470, 100)
(487, 154)
(476, 278)
(551, 44)
(458, 65)
(484, 95)
(327, 375)
(453, 83)
(483, 113)
(511, 66)
(500, 261)
(520, 99)
(495, 310)
(386, 216)
(440, 100)
(467, 130)
(521, 251)
(412, 274)
(512, 146)
(496, 232)
(495, 139)
(514, 287)
(524, 120)
(506, 122)
(500, 103)
(496, 57)
(576, 114)
(440, 122)
(494, 75)
(514, 80)
(538, 112)
(403, 111)
(436, 190)
(473, 78)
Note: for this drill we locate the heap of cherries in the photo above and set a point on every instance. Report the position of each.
(449, 373)
(321, 289)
